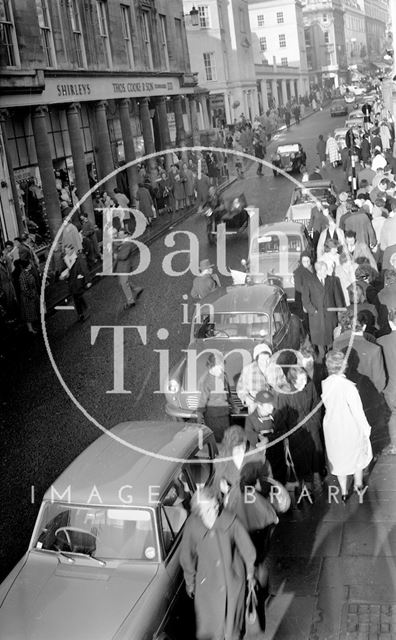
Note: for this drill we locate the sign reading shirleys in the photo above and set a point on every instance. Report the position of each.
(73, 89)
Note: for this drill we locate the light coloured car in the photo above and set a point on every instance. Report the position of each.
(338, 108)
(355, 119)
(103, 561)
(309, 195)
(274, 254)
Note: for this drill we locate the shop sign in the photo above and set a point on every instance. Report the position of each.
(69, 89)
(26, 173)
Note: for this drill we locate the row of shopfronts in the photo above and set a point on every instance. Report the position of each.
(57, 144)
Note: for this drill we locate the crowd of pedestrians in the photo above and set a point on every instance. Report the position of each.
(346, 298)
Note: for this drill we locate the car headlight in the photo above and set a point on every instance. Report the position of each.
(173, 386)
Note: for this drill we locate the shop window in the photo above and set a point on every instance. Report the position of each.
(210, 66)
(104, 31)
(59, 134)
(21, 142)
(78, 40)
(126, 33)
(47, 42)
(164, 41)
(86, 130)
(146, 33)
(282, 40)
(9, 55)
(204, 17)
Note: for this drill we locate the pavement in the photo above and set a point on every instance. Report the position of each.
(333, 567)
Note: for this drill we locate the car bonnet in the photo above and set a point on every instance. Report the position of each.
(55, 599)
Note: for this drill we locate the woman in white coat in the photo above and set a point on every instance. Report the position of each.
(345, 427)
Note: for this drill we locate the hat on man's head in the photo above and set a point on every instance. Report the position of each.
(261, 348)
(264, 397)
(343, 196)
(205, 264)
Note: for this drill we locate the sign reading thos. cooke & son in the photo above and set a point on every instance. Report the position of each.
(71, 89)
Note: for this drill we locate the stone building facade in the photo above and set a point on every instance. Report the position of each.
(85, 87)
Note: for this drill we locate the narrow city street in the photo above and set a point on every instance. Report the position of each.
(316, 549)
(40, 440)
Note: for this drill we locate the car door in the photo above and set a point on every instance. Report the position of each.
(286, 327)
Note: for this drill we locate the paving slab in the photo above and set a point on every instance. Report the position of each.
(305, 539)
(358, 571)
(296, 574)
(374, 539)
(290, 617)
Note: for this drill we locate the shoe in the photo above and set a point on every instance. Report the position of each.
(88, 285)
(128, 305)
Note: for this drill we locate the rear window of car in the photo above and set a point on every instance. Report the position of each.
(289, 148)
(271, 243)
(234, 325)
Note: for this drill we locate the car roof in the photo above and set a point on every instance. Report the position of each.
(340, 130)
(288, 144)
(287, 226)
(108, 464)
(311, 184)
(254, 298)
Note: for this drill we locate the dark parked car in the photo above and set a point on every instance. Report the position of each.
(290, 157)
(231, 320)
(338, 108)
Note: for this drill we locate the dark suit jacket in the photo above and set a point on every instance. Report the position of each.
(317, 300)
(369, 361)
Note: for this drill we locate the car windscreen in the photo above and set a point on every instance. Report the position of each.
(272, 244)
(105, 533)
(233, 325)
(288, 148)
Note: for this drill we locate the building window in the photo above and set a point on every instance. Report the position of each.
(260, 20)
(279, 17)
(147, 38)
(327, 59)
(263, 43)
(104, 31)
(307, 36)
(78, 40)
(210, 66)
(282, 40)
(8, 44)
(284, 62)
(46, 32)
(164, 41)
(126, 33)
(203, 14)
(325, 17)
(326, 37)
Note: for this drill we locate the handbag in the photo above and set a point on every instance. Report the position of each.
(251, 606)
(280, 499)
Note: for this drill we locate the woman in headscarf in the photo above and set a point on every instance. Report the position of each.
(345, 426)
(217, 558)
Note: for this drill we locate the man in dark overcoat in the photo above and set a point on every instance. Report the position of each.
(321, 296)
(217, 557)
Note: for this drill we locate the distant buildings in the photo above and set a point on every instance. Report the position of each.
(221, 52)
(376, 16)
